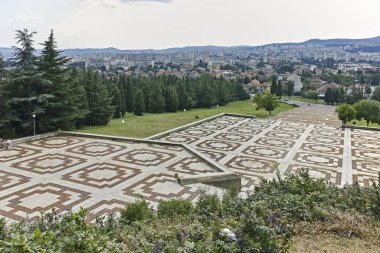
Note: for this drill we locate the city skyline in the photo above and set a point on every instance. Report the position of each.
(159, 24)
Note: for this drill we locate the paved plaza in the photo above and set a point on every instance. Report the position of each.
(99, 174)
(103, 174)
(255, 149)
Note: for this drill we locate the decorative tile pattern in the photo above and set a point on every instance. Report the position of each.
(162, 186)
(101, 175)
(321, 148)
(233, 137)
(324, 140)
(244, 130)
(56, 142)
(260, 151)
(283, 135)
(329, 175)
(96, 149)
(274, 142)
(48, 163)
(318, 159)
(215, 155)
(196, 131)
(41, 198)
(145, 157)
(191, 166)
(8, 180)
(218, 145)
(245, 165)
(178, 138)
(15, 153)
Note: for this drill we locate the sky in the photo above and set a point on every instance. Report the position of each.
(158, 24)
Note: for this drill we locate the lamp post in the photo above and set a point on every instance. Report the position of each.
(34, 124)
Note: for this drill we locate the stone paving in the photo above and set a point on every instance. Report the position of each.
(256, 148)
(102, 175)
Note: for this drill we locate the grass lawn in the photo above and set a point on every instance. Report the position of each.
(362, 123)
(307, 100)
(150, 124)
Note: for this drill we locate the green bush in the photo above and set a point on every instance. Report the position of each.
(138, 211)
(174, 207)
(208, 205)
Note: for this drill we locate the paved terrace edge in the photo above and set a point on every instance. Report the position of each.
(197, 123)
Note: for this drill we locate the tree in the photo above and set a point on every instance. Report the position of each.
(273, 88)
(139, 106)
(26, 89)
(99, 101)
(183, 97)
(312, 95)
(129, 99)
(171, 99)
(346, 112)
(156, 100)
(369, 110)
(266, 101)
(376, 94)
(66, 106)
(290, 88)
(279, 89)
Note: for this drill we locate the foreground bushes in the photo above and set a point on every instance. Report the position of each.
(265, 221)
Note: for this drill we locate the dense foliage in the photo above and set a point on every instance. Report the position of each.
(264, 221)
(66, 98)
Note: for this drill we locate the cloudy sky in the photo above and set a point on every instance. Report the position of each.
(141, 24)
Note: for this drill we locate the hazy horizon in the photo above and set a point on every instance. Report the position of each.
(162, 24)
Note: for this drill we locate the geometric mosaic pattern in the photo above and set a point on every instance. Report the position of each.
(145, 157)
(321, 173)
(161, 186)
(48, 163)
(96, 149)
(8, 180)
(218, 145)
(99, 174)
(191, 166)
(275, 153)
(318, 159)
(40, 198)
(305, 138)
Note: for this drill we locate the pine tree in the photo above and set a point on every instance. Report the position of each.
(99, 102)
(117, 101)
(129, 100)
(171, 99)
(273, 88)
(139, 106)
(279, 89)
(205, 95)
(66, 106)
(25, 90)
(183, 97)
(156, 100)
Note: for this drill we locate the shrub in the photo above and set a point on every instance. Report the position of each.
(174, 207)
(208, 205)
(138, 211)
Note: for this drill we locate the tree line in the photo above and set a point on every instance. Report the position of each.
(67, 98)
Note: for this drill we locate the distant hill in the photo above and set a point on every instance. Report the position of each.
(367, 45)
(375, 41)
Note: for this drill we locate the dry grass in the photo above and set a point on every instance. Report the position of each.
(328, 243)
(346, 233)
